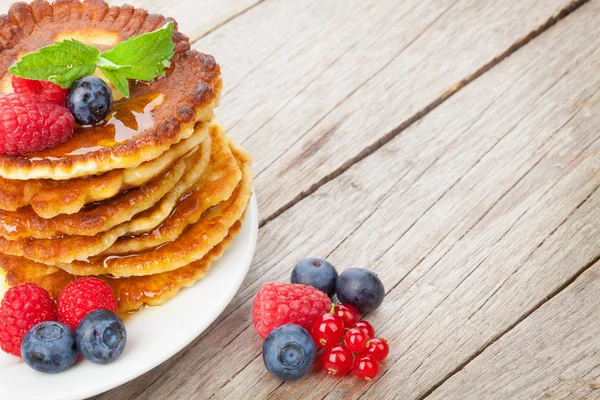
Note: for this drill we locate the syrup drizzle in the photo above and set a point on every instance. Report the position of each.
(128, 118)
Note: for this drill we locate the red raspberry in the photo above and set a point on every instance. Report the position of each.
(28, 123)
(82, 296)
(278, 304)
(22, 307)
(48, 90)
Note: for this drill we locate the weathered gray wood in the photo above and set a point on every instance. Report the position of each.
(309, 85)
(553, 354)
(466, 199)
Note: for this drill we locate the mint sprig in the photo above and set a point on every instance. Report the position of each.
(61, 63)
(142, 57)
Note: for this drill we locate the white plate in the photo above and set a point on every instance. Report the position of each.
(154, 334)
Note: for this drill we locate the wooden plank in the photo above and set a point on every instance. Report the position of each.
(195, 18)
(444, 213)
(311, 86)
(451, 272)
(553, 354)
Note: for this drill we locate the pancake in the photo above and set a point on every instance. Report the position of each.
(193, 243)
(218, 182)
(187, 93)
(99, 217)
(131, 293)
(49, 198)
(198, 192)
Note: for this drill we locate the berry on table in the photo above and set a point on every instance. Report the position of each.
(101, 336)
(29, 123)
(348, 313)
(90, 100)
(366, 327)
(361, 288)
(327, 330)
(51, 92)
(356, 340)
(366, 367)
(22, 307)
(82, 296)
(337, 360)
(49, 347)
(277, 304)
(378, 348)
(317, 273)
(289, 352)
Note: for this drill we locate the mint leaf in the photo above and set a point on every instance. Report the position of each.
(117, 78)
(61, 63)
(147, 54)
(143, 57)
(102, 62)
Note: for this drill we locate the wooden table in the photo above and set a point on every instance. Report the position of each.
(451, 146)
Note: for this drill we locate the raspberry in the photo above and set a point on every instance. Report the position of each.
(48, 90)
(81, 297)
(28, 123)
(23, 307)
(277, 304)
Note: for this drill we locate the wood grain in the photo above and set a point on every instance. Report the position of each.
(553, 354)
(327, 81)
(470, 197)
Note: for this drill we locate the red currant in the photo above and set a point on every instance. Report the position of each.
(366, 367)
(356, 340)
(327, 330)
(348, 313)
(378, 348)
(337, 360)
(365, 327)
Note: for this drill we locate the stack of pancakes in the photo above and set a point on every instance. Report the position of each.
(146, 200)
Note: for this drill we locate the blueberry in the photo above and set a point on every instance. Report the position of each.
(361, 288)
(49, 347)
(89, 100)
(316, 273)
(101, 336)
(289, 352)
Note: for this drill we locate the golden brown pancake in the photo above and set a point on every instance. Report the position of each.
(193, 243)
(131, 293)
(152, 228)
(188, 92)
(49, 198)
(99, 217)
(216, 184)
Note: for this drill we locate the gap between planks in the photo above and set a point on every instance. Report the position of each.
(225, 22)
(367, 151)
(557, 291)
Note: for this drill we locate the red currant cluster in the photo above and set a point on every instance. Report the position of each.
(349, 343)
